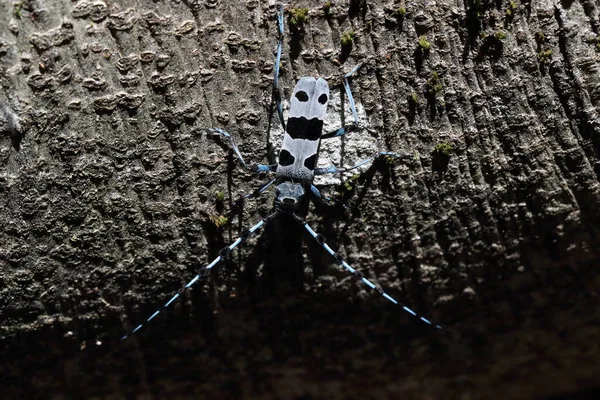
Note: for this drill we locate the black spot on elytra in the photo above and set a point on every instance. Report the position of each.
(302, 96)
(303, 128)
(285, 158)
(310, 162)
(323, 98)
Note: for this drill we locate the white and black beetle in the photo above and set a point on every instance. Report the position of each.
(296, 168)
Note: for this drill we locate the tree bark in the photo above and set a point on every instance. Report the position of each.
(112, 196)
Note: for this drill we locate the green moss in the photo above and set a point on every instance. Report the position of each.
(219, 220)
(477, 8)
(347, 38)
(512, 7)
(390, 160)
(219, 196)
(544, 55)
(444, 148)
(500, 35)
(282, 69)
(17, 8)
(424, 44)
(401, 11)
(434, 84)
(298, 16)
(349, 183)
(413, 97)
(596, 42)
(540, 37)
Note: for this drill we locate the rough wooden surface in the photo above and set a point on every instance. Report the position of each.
(108, 202)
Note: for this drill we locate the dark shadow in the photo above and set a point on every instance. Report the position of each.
(350, 200)
(171, 121)
(492, 47)
(400, 19)
(279, 252)
(566, 4)
(321, 261)
(357, 8)
(366, 180)
(439, 161)
(295, 42)
(410, 265)
(104, 111)
(395, 21)
(430, 98)
(337, 210)
(412, 111)
(527, 4)
(16, 137)
(345, 52)
(466, 51)
(473, 25)
(230, 168)
(419, 56)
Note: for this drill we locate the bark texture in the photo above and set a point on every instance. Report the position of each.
(111, 197)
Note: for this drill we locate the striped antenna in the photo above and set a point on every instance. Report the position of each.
(332, 169)
(233, 145)
(354, 125)
(359, 275)
(276, 95)
(349, 92)
(203, 271)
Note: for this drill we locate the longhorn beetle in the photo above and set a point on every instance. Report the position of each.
(295, 170)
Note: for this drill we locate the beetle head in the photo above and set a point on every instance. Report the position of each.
(289, 196)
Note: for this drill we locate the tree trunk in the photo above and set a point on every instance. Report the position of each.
(113, 195)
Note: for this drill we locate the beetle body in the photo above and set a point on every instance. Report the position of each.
(300, 147)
